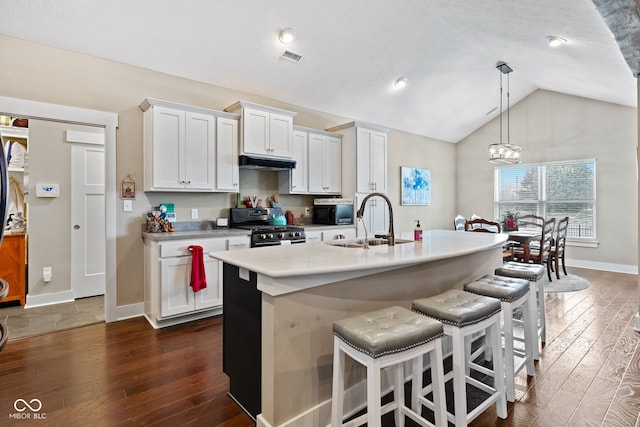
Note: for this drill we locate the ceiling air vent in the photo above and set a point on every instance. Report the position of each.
(291, 56)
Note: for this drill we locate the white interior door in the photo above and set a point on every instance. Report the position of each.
(88, 240)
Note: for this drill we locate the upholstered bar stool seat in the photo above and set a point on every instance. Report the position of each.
(534, 274)
(383, 338)
(512, 293)
(464, 314)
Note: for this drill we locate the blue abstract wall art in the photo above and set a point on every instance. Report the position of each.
(416, 186)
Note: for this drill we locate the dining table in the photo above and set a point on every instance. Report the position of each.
(524, 238)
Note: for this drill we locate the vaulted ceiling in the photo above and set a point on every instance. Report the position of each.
(352, 51)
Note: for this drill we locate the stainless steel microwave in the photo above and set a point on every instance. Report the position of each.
(339, 214)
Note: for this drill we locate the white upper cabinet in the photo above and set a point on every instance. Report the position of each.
(371, 157)
(295, 181)
(264, 131)
(318, 156)
(364, 158)
(180, 150)
(325, 164)
(227, 155)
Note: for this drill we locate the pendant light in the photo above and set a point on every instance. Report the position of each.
(504, 154)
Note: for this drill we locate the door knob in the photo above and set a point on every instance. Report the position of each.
(76, 227)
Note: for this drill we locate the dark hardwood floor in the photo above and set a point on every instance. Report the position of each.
(128, 374)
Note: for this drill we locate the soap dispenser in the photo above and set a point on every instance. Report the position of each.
(417, 232)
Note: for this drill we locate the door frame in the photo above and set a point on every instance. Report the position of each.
(109, 121)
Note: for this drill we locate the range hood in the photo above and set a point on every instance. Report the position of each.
(248, 162)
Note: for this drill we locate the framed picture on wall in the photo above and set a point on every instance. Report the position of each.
(416, 186)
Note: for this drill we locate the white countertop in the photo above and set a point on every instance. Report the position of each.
(310, 259)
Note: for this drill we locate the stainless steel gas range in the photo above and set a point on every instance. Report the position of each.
(263, 231)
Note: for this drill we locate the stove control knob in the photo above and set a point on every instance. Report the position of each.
(281, 235)
(270, 236)
(262, 237)
(297, 234)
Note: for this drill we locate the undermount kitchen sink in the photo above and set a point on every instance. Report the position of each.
(372, 242)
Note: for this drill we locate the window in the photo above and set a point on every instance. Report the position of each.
(551, 190)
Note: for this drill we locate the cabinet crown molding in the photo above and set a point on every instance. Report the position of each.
(149, 102)
(316, 131)
(247, 104)
(358, 124)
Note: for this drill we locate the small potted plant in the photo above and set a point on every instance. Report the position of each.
(510, 221)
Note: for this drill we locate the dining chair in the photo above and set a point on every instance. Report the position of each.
(557, 248)
(485, 226)
(530, 221)
(540, 253)
(458, 223)
(482, 225)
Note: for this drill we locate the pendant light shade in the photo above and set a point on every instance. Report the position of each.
(501, 153)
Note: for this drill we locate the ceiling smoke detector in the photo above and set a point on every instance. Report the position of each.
(291, 56)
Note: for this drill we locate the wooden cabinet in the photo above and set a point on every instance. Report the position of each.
(264, 131)
(12, 266)
(325, 171)
(180, 148)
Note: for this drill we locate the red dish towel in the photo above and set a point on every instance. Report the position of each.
(198, 279)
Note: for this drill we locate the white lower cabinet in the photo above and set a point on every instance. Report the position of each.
(376, 216)
(178, 296)
(329, 234)
(169, 298)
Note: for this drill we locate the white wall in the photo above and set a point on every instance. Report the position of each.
(552, 127)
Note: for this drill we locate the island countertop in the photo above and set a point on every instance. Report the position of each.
(322, 258)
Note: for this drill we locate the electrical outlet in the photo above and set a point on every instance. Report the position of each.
(307, 211)
(194, 213)
(46, 274)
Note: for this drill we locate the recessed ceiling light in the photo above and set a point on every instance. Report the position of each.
(555, 41)
(287, 35)
(401, 82)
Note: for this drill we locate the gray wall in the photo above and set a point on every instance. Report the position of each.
(553, 127)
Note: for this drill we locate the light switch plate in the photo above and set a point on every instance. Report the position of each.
(194, 213)
(127, 205)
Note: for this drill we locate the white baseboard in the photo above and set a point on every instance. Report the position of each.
(129, 311)
(604, 266)
(637, 328)
(48, 299)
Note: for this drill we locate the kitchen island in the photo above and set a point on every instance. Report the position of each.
(280, 303)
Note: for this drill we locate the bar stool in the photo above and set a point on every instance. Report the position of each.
(382, 338)
(512, 293)
(534, 273)
(464, 314)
